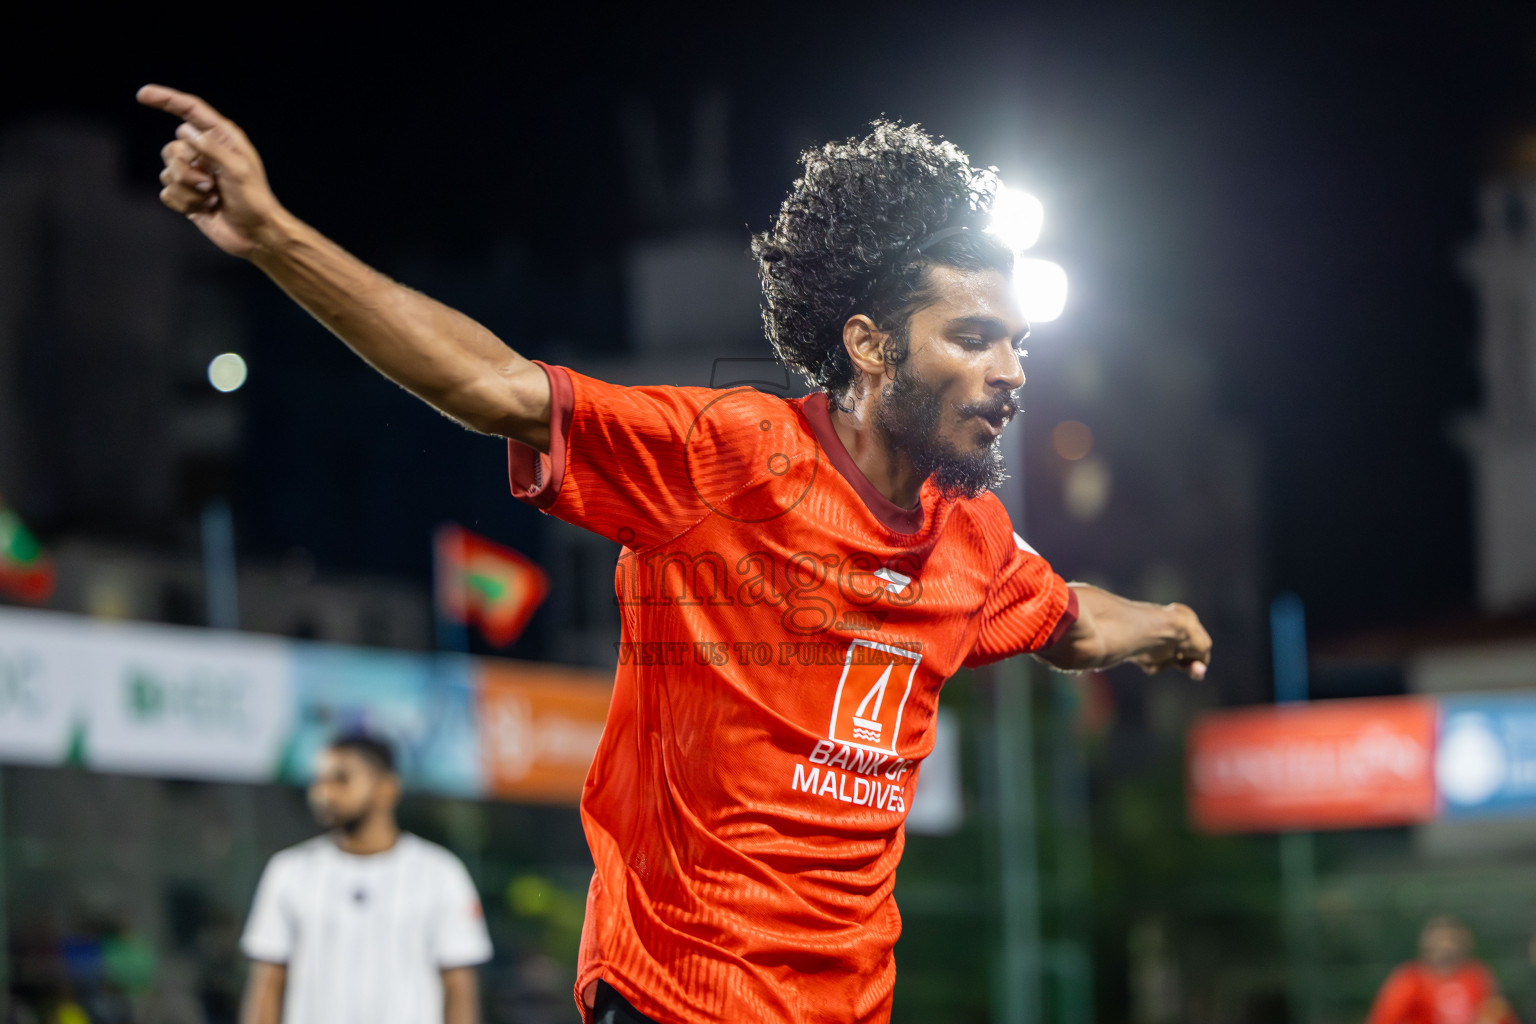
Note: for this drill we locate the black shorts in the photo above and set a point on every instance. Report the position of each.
(608, 1007)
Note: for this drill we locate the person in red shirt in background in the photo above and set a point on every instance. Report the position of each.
(1444, 986)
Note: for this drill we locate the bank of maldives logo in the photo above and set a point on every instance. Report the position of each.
(872, 695)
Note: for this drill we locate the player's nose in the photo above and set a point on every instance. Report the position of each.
(1007, 370)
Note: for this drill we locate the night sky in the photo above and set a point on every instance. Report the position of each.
(1288, 189)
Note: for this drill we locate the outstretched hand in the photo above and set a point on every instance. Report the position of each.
(1110, 629)
(213, 175)
(1187, 648)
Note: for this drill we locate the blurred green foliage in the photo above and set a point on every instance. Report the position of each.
(559, 910)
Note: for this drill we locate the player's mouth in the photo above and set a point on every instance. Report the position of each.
(995, 419)
(994, 415)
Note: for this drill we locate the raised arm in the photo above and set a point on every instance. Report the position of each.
(1112, 629)
(214, 176)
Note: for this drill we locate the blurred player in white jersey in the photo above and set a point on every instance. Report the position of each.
(365, 924)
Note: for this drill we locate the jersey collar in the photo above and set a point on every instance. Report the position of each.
(817, 408)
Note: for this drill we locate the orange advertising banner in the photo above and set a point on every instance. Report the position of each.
(539, 728)
(1334, 764)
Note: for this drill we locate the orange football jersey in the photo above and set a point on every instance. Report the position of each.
(786, 632)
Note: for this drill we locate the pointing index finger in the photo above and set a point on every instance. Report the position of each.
(191, 109)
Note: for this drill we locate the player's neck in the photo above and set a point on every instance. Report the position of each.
(376, 834)
(888, 470)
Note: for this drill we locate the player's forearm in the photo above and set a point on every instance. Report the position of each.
(461, 996)
(1111, 629)
(263, 1002)
(436, 353)
(261, 1010)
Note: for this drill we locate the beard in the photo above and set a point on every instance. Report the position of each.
(909, 414)
(341, 821)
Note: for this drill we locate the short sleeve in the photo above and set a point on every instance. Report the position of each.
(1029, 607)
(269, 932)
(641, 465)
(460, 938)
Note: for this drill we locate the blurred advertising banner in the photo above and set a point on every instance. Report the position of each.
(185, 703)
(423, 705)
(1335, 764)
(42, 664)
(539, 728)
(1486, 761)
(204, 704)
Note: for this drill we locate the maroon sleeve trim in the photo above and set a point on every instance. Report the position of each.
(1068, 617)
(536, 477)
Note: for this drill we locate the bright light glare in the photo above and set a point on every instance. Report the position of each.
(1042, 289)
(1016, 218)
(227, 372)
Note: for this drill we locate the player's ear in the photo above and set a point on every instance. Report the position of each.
(392, 788)
(865, 344)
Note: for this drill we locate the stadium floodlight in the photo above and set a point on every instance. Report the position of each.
(1040, 284)
(1016, 218)
(1041, 287)
(227, 372)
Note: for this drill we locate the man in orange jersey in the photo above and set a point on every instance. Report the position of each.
(1444, 986)
(797, 579)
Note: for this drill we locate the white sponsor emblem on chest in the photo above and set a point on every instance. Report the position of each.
(895, 582)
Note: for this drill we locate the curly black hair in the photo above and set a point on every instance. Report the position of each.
(845, 242)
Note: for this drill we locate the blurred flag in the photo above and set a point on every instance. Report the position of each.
(481, 583)
(26, 571)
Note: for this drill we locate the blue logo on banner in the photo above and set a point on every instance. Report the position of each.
(1485, 761)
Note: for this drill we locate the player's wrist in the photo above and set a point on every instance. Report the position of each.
(275, 236)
